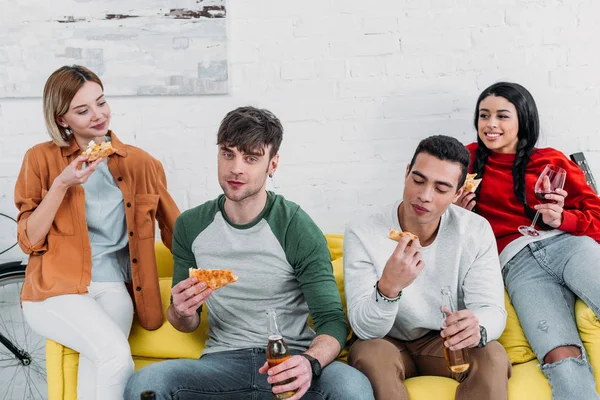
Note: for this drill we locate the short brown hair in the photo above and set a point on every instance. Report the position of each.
(445, 148)
(59, 91)
(250, 129)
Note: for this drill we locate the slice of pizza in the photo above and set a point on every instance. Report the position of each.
(95, 151)
(397, 235)
(471, 183)
(214, 278)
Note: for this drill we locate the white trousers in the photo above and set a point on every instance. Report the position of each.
(96, 325)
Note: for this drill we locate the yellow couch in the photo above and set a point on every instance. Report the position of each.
(527, 382)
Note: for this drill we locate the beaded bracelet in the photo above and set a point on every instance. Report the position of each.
(384, 297)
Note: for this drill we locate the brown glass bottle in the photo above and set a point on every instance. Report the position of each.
(457, 360)
(277, 351)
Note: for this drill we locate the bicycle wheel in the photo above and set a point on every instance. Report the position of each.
(18, 379)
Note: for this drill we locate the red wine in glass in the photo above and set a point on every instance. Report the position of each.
(551, 179)
(541, 196)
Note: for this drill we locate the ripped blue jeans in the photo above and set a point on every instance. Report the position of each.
(543, 281)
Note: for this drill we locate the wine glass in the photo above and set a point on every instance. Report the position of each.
(551, 179)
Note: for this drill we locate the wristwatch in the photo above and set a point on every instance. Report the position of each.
(483, 333)
(315, 365)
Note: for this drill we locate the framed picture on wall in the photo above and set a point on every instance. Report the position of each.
(152, 47)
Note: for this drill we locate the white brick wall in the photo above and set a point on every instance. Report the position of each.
(357, 84)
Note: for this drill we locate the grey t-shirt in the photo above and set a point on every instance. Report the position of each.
(105, 216)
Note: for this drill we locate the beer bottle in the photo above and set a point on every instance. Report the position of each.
(148, 395)
(457, 360)
(277, 352)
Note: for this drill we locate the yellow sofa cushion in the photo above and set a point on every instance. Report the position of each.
(335, 244)
(519, 351)
(167, 342)
(338, 273)
(527, 382)
(513, 339)
(431, 387)
(588, 325)
(164, 260)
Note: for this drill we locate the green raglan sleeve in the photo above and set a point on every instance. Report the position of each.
(183, 256)
(306, 250)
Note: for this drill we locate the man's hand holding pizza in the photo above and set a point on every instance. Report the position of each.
(403, 266)
(188, 295)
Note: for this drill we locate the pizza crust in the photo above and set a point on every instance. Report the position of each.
(214, 278)
(397, 235)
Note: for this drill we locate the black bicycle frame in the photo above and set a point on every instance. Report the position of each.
(23, 356)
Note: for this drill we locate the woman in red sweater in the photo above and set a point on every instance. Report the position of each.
(545, 274)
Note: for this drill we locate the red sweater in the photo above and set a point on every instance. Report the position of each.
(498, 204)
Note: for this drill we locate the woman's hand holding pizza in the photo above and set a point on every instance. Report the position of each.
(73, 174)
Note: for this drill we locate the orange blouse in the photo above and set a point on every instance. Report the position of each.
(61, 263)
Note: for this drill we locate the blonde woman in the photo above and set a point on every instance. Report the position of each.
(88, 228)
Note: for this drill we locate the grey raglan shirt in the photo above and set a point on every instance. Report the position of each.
(282, 262)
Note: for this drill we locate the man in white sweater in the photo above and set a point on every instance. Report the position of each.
(393, 289)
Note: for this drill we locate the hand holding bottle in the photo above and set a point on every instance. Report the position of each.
(457, 359)
(290, 376)
(290, 379)
(462, 330)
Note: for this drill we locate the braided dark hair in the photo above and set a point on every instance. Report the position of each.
(529, 132)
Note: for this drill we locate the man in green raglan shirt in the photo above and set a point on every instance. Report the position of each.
(282, 262)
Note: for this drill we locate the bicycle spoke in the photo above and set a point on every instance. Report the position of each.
(30, 384)
(16, 379)
(25, 391)
(41, 372)
(6, 353)
(41, 344)
(5, 325)
(24, 325)
(5, 329)
(14, 328)
(11, 385)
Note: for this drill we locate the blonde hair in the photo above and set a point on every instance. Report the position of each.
(59, 91)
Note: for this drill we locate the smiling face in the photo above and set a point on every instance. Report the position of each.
(243, 176)
(498, 124)
(429, 188)
(88, 115)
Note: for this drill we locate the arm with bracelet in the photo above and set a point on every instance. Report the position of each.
(373, 297)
